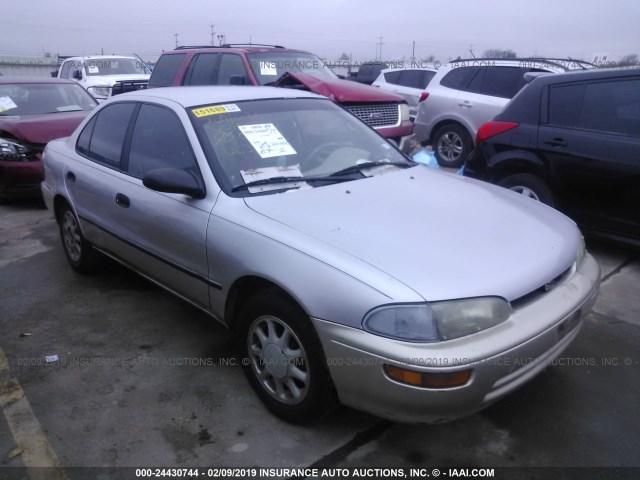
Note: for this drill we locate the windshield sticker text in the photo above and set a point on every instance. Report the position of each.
(267, 140)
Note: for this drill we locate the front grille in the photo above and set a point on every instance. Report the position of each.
(377, 115)
(538, 292)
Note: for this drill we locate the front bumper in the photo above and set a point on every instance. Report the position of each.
(20, 179)
(501, 358)
(402, 135)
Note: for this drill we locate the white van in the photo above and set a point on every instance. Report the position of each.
(100, 74)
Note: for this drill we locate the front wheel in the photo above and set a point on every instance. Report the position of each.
(80, 253)
(451, 145)
(530, 186)
(283, 358)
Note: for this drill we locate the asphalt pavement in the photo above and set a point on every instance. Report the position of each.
(108, 370)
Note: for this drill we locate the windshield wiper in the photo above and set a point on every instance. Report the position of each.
(275, 180)
(364, 166)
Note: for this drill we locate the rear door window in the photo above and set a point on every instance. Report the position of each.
(501, 82)
(109, 133)
(458, 78)
(565, 102)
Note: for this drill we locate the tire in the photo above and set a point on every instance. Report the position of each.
(283, 359)
(529, 185)
(80, 253)
(451, 144)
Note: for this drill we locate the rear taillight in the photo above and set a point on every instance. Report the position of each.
(493, 128)
(423, 96)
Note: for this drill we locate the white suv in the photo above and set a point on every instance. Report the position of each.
(408, 82)
(467, 93)
(100, 74)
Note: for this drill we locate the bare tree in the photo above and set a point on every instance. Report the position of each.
(498, 53)
(344, 56)
(629, 60)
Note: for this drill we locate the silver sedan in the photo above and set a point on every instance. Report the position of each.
(348, 272)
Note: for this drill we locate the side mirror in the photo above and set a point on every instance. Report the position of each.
(173, 180)
(77, 74)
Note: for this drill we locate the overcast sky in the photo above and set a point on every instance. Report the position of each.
(444, 28)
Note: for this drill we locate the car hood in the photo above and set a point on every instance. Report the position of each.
(40, 129)
(441, 235)
(110, 80)
(340, 91)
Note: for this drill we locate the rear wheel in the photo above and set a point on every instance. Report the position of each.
(530, 186)
(451, 145)
(80, 253)
(283, 358)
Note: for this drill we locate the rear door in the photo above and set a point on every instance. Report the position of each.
(490, 89)
(90, 183)
(592, 141)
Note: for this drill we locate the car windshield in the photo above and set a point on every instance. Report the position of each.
(37, 98)
(113, 66)
(266, 140)
(269, 66)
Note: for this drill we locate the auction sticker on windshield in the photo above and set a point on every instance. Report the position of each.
(6, 104)
(215, 110)
(267, 140)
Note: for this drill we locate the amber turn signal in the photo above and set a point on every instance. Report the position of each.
(428, 379)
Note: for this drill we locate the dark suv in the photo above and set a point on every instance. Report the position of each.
(572, 141)
(260, 65)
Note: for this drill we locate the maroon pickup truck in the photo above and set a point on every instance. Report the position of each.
(277, 66)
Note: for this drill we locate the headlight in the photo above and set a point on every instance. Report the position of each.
(582, 252)
(404, 112)
(13, 151)
(100, 91)
(437, 321)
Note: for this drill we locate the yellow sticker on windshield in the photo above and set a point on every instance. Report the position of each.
(215, 110)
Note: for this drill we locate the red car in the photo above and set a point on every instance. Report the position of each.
(34, 111)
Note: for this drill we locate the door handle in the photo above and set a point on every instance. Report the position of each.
(122, 200)
(71, 176)
(466, 104)
(557, 142)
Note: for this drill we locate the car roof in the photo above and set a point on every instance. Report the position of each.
(590, 74)
(236, 48)
(99, 57)
(559, 64)
(200, 95)
(401, 69)
(34, 79)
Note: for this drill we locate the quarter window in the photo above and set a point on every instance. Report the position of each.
(159, 141)
(392, 77)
